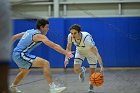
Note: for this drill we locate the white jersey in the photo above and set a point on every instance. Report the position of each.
(84, 44)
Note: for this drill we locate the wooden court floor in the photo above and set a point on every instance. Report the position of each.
(116, 81)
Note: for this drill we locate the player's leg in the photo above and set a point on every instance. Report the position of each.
(23, 73)
(24, 66)
(44, 64)
(92, 66)
(91, 87)
(77, 66)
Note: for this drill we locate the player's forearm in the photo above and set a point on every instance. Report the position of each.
(68, 49)
(99, 60)
(53, 45)
(14, 38)
(59, 49)
(95, 51)
(17, 36)
(66, 56)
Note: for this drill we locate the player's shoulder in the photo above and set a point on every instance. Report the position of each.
(33, 31)
(69, 35)
(85, 33)
(29, 30)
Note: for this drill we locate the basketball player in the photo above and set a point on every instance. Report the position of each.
(21, 54)
(85, 48)
(5, 45)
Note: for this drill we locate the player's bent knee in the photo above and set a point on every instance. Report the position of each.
(46, 64)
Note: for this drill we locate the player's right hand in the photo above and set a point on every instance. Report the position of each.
(69, 55)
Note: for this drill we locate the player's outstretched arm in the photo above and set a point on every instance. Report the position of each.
(17, 36)
(46, 41)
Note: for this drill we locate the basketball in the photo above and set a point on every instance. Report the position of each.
(97, 79)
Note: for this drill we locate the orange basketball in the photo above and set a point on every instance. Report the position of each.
(97, 79)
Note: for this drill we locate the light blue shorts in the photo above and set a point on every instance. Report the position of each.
(23, 60)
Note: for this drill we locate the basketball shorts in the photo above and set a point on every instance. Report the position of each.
(79, 58)
(23, 60)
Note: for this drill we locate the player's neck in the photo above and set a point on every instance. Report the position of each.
(42, 32)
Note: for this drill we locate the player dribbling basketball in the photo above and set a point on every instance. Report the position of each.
(85, 48)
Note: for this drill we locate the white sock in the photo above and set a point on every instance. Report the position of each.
(52, 85)
(12, 85)
(81, 70)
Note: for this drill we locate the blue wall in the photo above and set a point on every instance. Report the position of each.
(117, 39)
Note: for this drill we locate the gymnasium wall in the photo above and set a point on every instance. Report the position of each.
(117, 39)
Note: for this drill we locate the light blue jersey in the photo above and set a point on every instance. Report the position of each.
(26, 44)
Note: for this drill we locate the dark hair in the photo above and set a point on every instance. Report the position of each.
(76, 27)
(41, 22)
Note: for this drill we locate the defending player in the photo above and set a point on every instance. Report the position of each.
(21, 55)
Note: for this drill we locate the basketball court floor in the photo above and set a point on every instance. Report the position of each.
(116, 81)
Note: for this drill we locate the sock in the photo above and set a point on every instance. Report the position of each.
(12, 85)
(52, 85)
(91, 86)
(81, 69)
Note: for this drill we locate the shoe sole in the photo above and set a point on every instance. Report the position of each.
(15, 92)
(91, 92)
(62, 90)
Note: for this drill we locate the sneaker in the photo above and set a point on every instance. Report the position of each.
(91, 89)
(14, 89)
(56, 89)
(82, 74)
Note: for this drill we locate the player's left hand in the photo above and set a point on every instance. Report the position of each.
(66, 62)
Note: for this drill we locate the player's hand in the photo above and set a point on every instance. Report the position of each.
(69, 54)
(66, 62)
(102, 70)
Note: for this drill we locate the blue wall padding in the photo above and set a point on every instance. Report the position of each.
(117, 39)
(56, 34)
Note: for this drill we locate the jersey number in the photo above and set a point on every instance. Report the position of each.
(25, 35)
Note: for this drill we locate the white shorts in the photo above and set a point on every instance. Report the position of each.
(79, 58)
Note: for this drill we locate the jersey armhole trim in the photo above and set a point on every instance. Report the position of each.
(34, 35)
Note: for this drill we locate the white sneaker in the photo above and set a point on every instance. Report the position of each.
(56, 89)
(14, 89)
(82, 74)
